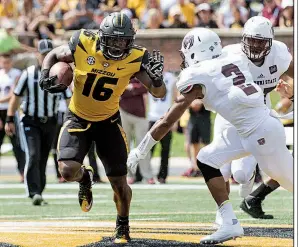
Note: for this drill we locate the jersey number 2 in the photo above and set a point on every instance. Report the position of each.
(239, 80)
(100, 92)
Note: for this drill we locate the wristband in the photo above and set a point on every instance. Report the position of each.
(146, 144)
(10, 119)
(45, 73)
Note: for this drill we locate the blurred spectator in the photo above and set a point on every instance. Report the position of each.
(9, 78)
(152, 7)
(176, 18)
(137, 5)
(204, 14)
(8, 9)
(157, 108)
(154, 19)
(199, 132)
(79, 17)
(238, 23)
(271, 11)
(9, 43)
(98, 16)
(287, 15)
(186, 9)
(132, 110)
(225, 13)
(122, 5)
(43, 29)
(108, 5)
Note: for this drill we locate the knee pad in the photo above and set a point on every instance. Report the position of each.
(240, 177)
(208, 172)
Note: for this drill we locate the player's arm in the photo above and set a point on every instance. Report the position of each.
(151, 74)
(163, 126)
(62, 53)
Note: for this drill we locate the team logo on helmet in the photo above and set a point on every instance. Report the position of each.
(91, 60)
(188, 42)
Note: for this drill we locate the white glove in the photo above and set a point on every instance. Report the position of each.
(133, 159)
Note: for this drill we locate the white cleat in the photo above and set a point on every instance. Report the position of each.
(218, 221)
(246, 189)
(224, 233)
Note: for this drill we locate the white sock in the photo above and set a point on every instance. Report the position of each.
(227, 213)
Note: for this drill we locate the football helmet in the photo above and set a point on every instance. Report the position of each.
(117, 36)
(257, 38)
(198, 45)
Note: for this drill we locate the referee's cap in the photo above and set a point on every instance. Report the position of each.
(44, 46)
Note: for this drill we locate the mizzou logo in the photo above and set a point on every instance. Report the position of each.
(188, 42)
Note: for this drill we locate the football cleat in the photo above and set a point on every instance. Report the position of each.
(253, 207)
(218, 220)
(37, 200)
(122, 234)
(224, 233)
(245, 189)
(85, 192)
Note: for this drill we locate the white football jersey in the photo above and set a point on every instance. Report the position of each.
(229, 90)
(276, 63)
(158, 107)
(7, 83)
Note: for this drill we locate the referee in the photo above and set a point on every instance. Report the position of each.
(38, 123)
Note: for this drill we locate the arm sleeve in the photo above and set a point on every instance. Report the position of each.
(22, 84)
(283, 58)
(74, 41)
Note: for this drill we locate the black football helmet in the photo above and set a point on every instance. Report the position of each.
(117, 36)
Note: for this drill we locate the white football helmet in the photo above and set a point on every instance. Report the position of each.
(198, 45)
(257, 38)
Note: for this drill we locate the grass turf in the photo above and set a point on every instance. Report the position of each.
(173, 205)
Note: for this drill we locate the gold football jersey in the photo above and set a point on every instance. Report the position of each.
(99, 83)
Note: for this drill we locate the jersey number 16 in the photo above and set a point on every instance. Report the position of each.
(100, 92)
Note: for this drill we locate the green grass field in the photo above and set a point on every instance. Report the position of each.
(161, 216)
(177, 205)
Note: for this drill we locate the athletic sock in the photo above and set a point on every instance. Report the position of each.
(122, 220)
(261, 192)
(227, 213)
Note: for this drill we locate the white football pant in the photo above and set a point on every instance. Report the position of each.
(267, 144)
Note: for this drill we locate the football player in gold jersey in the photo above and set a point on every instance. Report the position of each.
(104, 63)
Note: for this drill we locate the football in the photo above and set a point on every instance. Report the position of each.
(64, 73)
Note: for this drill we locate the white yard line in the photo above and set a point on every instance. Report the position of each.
(134, 186)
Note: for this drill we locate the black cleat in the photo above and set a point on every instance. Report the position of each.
(85, 193)
(253, 207)
(122, 235)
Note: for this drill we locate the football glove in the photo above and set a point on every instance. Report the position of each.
(133, 159)
(48, 83)
(155, 67)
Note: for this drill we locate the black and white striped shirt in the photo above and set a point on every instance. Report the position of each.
(36, 102)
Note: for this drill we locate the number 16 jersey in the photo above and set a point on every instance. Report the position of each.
(229, 90)
(98, 82)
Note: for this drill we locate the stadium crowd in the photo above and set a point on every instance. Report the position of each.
(46, 19)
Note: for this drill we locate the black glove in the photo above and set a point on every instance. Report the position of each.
(48, 83)
(155, 67)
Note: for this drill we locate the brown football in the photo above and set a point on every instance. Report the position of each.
(64, 73)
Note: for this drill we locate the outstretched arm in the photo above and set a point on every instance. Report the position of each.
(162, 127)
(151, 74)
